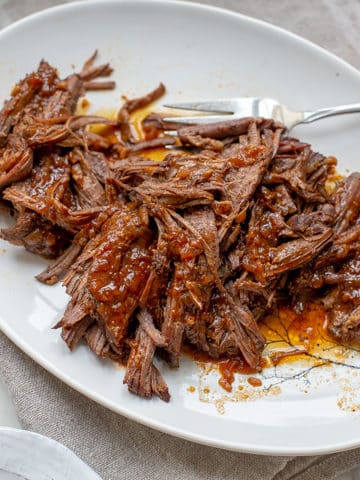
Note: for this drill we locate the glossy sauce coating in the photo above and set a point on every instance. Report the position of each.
(293, 335)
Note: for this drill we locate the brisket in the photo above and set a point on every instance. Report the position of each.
(195, 248)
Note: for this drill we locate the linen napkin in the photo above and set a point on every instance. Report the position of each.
(118, 448)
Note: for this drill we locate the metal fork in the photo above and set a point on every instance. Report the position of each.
(234, 108)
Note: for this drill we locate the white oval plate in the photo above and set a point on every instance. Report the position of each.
(198, 52)
(30, 456)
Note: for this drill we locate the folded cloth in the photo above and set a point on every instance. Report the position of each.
(118, 448)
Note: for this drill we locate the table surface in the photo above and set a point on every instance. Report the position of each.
(295, 15)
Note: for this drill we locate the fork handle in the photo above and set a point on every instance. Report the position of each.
(310, 117)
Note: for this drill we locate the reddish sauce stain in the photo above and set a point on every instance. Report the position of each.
(254, 382)
(84, 105)
(296, 335)
(227, 367)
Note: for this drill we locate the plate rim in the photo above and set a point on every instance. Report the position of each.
(203, 439)
(58, 450)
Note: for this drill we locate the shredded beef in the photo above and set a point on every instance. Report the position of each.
(195, 248)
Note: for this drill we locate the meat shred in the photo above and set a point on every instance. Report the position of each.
(195, 248)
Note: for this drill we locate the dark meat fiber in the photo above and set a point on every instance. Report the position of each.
(194, 248)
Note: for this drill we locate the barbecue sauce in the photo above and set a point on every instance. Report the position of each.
(297, 336)
(109, 132)
(157, 154)
(254, 381)
(227, 368)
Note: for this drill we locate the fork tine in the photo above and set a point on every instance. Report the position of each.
(171, 133)
(221, 105)
(198, 119)
(182, 148)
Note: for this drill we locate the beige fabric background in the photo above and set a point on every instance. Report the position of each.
(114, 446)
